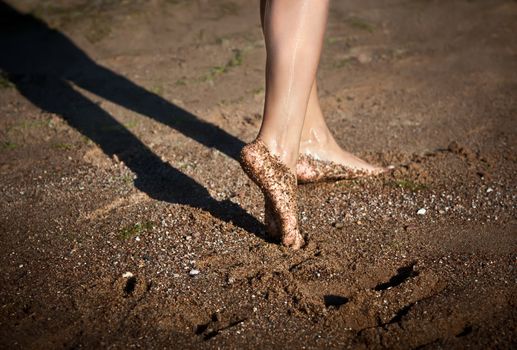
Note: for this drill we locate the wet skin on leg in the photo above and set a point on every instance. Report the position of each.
(293, 31)
(321, 156)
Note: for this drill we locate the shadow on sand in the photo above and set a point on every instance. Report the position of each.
(43, 64)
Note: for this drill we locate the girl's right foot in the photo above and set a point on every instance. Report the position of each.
(322, 159)
(310, 169)
(278, 184)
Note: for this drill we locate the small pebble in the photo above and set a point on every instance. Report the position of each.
(488, 190)
(193, 272)
(421, 211)
(127, 274)
(364, 58)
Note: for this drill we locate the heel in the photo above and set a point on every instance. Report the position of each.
(278, 184)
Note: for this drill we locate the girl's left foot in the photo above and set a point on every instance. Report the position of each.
(278, 184)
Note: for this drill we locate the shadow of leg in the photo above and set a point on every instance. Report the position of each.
(154, 177)
(29, 46)
(41, 60)
(124, 92)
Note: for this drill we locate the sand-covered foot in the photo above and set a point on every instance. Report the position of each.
(278, 184)
(311, 169)
(327, 161)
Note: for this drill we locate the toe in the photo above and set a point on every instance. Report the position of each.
(294, 241)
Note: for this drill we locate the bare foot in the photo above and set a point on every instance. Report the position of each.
(322, 159)
(278, 184)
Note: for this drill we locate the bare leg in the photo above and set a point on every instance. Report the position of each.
(293, 31)
(316, 139)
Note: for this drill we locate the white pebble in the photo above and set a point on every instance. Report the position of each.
(193, 272)
(421, 211)
(127, 274)
(488, 190)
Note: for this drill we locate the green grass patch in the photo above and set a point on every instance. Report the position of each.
(235, 61)
(214, 73)
(344, 62)
(32, 124)
(5, 83)
(335, 39)
(332, 40)
(222, 41)
(360, 23)
(346, 183)
(135, 230)
(410, 185)
(131, 124)
(157, 90)
(258, 91)
(86, 140)
(7, 145)
(127, 179)
(62, 146)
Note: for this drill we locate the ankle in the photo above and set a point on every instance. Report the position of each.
(288, 154)
(315, 138)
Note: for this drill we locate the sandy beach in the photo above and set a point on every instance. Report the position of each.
(127, 222)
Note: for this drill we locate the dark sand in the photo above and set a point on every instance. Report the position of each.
(120, 122)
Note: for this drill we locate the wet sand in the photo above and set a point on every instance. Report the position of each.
(126, 220)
